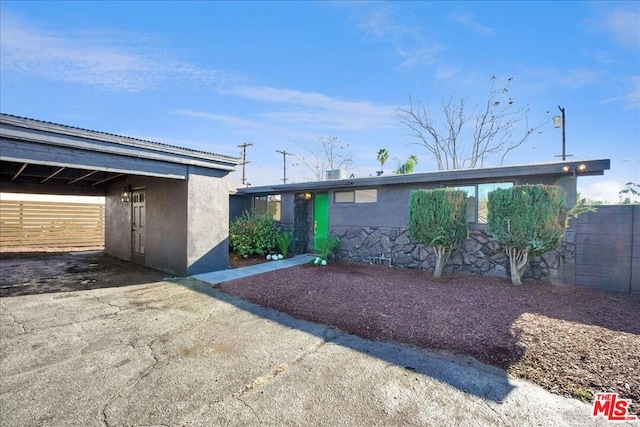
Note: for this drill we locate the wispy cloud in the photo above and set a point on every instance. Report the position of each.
(230, 121)
(445, 72)
(409, 41)
(624, 90)
(468, 20)
(624, 27)
(316, 110)
(249, 127)
(98, 60)
(630, 97)
(574, 78)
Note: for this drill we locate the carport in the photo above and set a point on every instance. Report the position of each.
(166, 207)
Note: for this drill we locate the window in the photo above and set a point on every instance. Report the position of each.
(483, 198)
(367, 196)
(471, 201)
(271, 204)
(344, 196)
(356, 196)
(478, 198)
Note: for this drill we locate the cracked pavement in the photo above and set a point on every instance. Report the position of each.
(181, 353)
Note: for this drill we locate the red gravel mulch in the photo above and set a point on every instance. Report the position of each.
(570, 340)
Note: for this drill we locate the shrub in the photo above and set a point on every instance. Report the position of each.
(438, 218)
(527, 220)
(252, 234)
(327, 246)
(283, 242)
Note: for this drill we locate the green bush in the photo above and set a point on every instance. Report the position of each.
(527, 220)
(283, 242)
(438, 218)
(252, 234)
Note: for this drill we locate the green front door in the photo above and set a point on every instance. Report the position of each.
(320, 218)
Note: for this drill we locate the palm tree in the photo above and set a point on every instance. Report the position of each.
(383, 156)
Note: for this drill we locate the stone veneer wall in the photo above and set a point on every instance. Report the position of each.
(478, 254)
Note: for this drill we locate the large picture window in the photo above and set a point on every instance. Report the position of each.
(271, 204)
(478, 198)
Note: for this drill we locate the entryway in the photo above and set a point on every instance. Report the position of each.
(320, 218)
(138, 219)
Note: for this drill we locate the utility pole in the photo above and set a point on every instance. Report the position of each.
(558, 121)
(284, 159)
(244, 159)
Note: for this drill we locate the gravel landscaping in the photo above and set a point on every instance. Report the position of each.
(570, 340)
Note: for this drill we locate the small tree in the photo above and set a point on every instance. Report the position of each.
(527, 220)
(630, 194)
(438, 218)
(408, 166)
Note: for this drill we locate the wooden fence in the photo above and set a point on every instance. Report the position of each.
(31, 224)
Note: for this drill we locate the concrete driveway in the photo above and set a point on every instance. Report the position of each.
(182, 354)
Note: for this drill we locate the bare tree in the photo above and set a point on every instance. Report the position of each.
(461, 139)
(326, 154)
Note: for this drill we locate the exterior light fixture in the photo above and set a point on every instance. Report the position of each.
(557, 122)
(574, 169)
(304, 196)
(125, 197)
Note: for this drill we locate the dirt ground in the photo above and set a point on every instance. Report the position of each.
(238, 261)
(570, 340)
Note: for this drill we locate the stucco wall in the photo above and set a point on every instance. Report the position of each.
(166, 222)
(117, 223)
(166, 241)
(207, 221)
(187, 222)
(391, 210)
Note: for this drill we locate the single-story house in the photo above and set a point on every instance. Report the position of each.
(370, 215)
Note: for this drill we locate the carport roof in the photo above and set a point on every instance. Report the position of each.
(35, 152)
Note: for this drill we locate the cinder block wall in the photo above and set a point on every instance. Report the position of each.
(607, 249)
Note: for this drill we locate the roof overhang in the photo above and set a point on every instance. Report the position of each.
(34, 153)
(500, 173)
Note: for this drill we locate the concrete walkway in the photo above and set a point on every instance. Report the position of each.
(216, 277)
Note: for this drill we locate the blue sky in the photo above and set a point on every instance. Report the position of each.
(281, 75)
